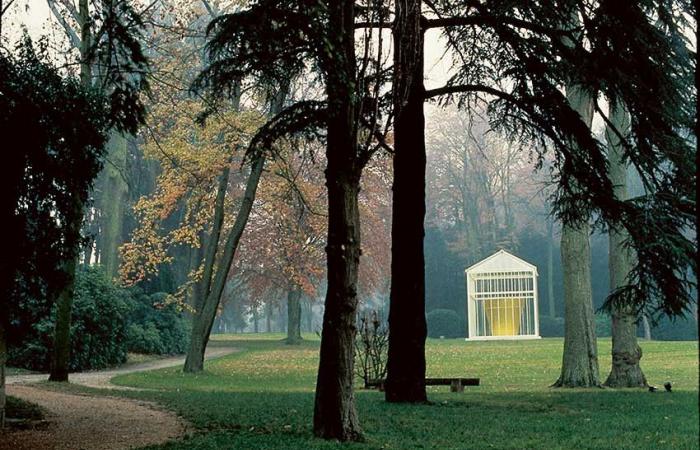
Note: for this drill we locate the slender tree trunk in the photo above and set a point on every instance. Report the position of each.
(626, 352)
(646, 327)
(255, 320)
(213, 284)
(309, 317)
(580, 359)
(204, 286)
(407, 328)
(114, 192)
(203, 321)
(268, 317)
(550, 270)
(293, 316)
(3, 360)
(335, 416)
(282, 315)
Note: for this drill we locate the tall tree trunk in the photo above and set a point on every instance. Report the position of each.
(580, 359)
(626, 353)
(60, 358)
(113, 192)
(335, 416)
(407, 328)
(212, 242)
(256, 320)
(309, 317)
(204, 319)
(213, 285)
(293, 316)
(647, 328)
(268, 317)
(3, 360)
(550, 269)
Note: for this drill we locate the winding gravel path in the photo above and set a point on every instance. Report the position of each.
(100, 378)
(87, 422)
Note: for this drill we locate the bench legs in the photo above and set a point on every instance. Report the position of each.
(456, 386)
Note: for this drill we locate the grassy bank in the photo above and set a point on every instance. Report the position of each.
(262, 397)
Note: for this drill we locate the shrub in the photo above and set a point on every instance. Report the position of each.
(156, 327)
(554, 327)
(371, 346)
(603, 325)
(444, 322)
(98, 327)
(551, 326)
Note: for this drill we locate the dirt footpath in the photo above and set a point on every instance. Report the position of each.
(86, 422)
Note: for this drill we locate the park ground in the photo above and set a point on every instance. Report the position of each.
(262, 397)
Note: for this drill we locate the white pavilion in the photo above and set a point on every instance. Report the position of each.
(502, 298)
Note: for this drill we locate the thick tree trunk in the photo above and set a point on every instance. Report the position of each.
(3, 360)
(60, 356)
(114, 192)
(580, 359)
(626, 352)
(335, 416)
(204, 319)
(407, 328)
(293, 316)
(256, 320)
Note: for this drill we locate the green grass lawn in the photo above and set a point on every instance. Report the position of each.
(262, 397)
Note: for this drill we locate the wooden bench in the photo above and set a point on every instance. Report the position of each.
(455, 384)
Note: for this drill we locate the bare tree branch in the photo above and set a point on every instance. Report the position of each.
(70, 32)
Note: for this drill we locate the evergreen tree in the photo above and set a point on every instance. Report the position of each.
(48, 173)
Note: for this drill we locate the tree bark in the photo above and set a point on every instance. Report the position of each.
(204, 286)
(60, 356)
(204, 319)
(3, 360)
(580, 359)
(293, 316)
(407, 328)
(335, 416)
(626, 353)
